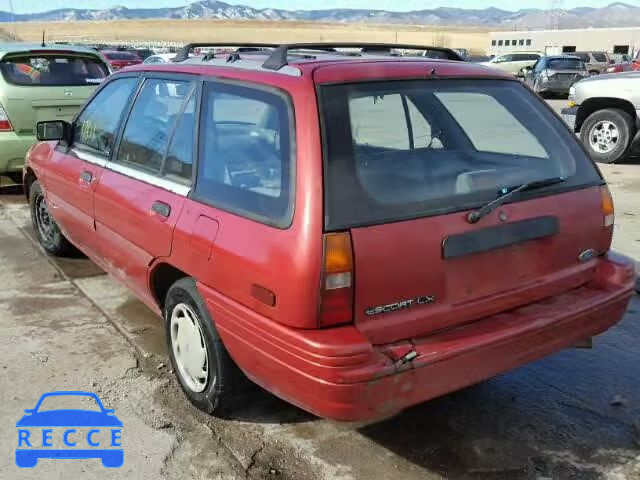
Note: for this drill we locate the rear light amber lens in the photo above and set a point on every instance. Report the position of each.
(607, 207)
(5, 124)
(336, 301)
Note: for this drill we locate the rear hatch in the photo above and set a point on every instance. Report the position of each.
(407, 161)
(47, 85)
(566, 70)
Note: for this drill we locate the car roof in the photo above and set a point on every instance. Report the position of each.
(365, 66)
(552, 57)
(18, 47)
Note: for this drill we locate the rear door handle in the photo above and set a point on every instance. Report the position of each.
(86, 177)
(161, 208)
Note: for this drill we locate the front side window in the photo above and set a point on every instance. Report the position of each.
(245, 159)
(53, 70)
(96, 127)
(150, 123)
(446, 145)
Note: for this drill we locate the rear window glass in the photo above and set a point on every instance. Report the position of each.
(565, 64)
(405, 149)
(53, 70)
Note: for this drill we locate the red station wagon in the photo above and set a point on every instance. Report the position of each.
(355, 233)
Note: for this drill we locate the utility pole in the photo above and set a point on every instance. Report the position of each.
(13, 19)
(555, 13)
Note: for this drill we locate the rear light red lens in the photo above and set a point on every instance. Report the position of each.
(5, 124)
(608, 211)
(336, 301)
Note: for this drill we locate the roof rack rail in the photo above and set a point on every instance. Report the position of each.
(278, 58)
(183, 54)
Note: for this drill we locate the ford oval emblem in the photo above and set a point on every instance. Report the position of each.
(587, 255)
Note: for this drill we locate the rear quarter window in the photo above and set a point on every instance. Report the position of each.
(600, 57)
(245, 156)
(53, 70)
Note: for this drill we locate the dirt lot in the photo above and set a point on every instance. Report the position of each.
(66, 325)
(257, 31)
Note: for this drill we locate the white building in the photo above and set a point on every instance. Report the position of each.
(611, 40)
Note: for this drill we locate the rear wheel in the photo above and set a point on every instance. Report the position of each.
(47, 231)
(607, 134)
(205, 371)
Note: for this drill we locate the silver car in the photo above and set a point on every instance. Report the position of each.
(555, 74)
(604, 110)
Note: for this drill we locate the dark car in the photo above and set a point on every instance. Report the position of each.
(119, 59)
(555, 74)
(331, 226)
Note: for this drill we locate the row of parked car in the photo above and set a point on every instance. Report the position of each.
(324, 226)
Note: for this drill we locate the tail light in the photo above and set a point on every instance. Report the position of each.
(608, 218)
(336, 298)
(607, 207)
(5, 124)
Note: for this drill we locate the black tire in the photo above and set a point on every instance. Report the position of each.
(622, 122)
(224, 380)
(46, 229)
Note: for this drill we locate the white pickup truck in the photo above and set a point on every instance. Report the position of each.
(604, 110)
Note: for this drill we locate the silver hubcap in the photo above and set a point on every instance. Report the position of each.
(189, 348)
(604, 136)
(44, 222)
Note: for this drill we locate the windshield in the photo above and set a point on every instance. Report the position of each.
(565, 64)
(53, 70)
(405, 149)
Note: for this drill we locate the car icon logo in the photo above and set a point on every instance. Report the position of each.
(40, 433)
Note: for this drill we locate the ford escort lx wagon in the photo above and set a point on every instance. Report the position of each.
(355, 232)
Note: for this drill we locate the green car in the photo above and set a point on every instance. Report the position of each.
(41, 83)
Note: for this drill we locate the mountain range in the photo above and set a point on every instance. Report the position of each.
(615, 15)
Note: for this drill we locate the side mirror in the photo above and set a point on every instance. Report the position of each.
(53, 130)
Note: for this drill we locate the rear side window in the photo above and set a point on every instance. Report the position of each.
(245, 158)
(600, 57)
(96, 127)
(179, 162)
(406, 149)
(53, 70)
(150, 123)
(582, 56)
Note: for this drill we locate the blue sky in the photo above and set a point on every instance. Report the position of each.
(38, 5)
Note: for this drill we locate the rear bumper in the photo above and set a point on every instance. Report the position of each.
(13, 148)
(336, 373)
(569, 116)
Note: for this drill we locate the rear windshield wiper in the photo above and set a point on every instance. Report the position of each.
(476, 215)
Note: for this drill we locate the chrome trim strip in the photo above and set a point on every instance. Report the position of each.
(89, 157)
(174, 187)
